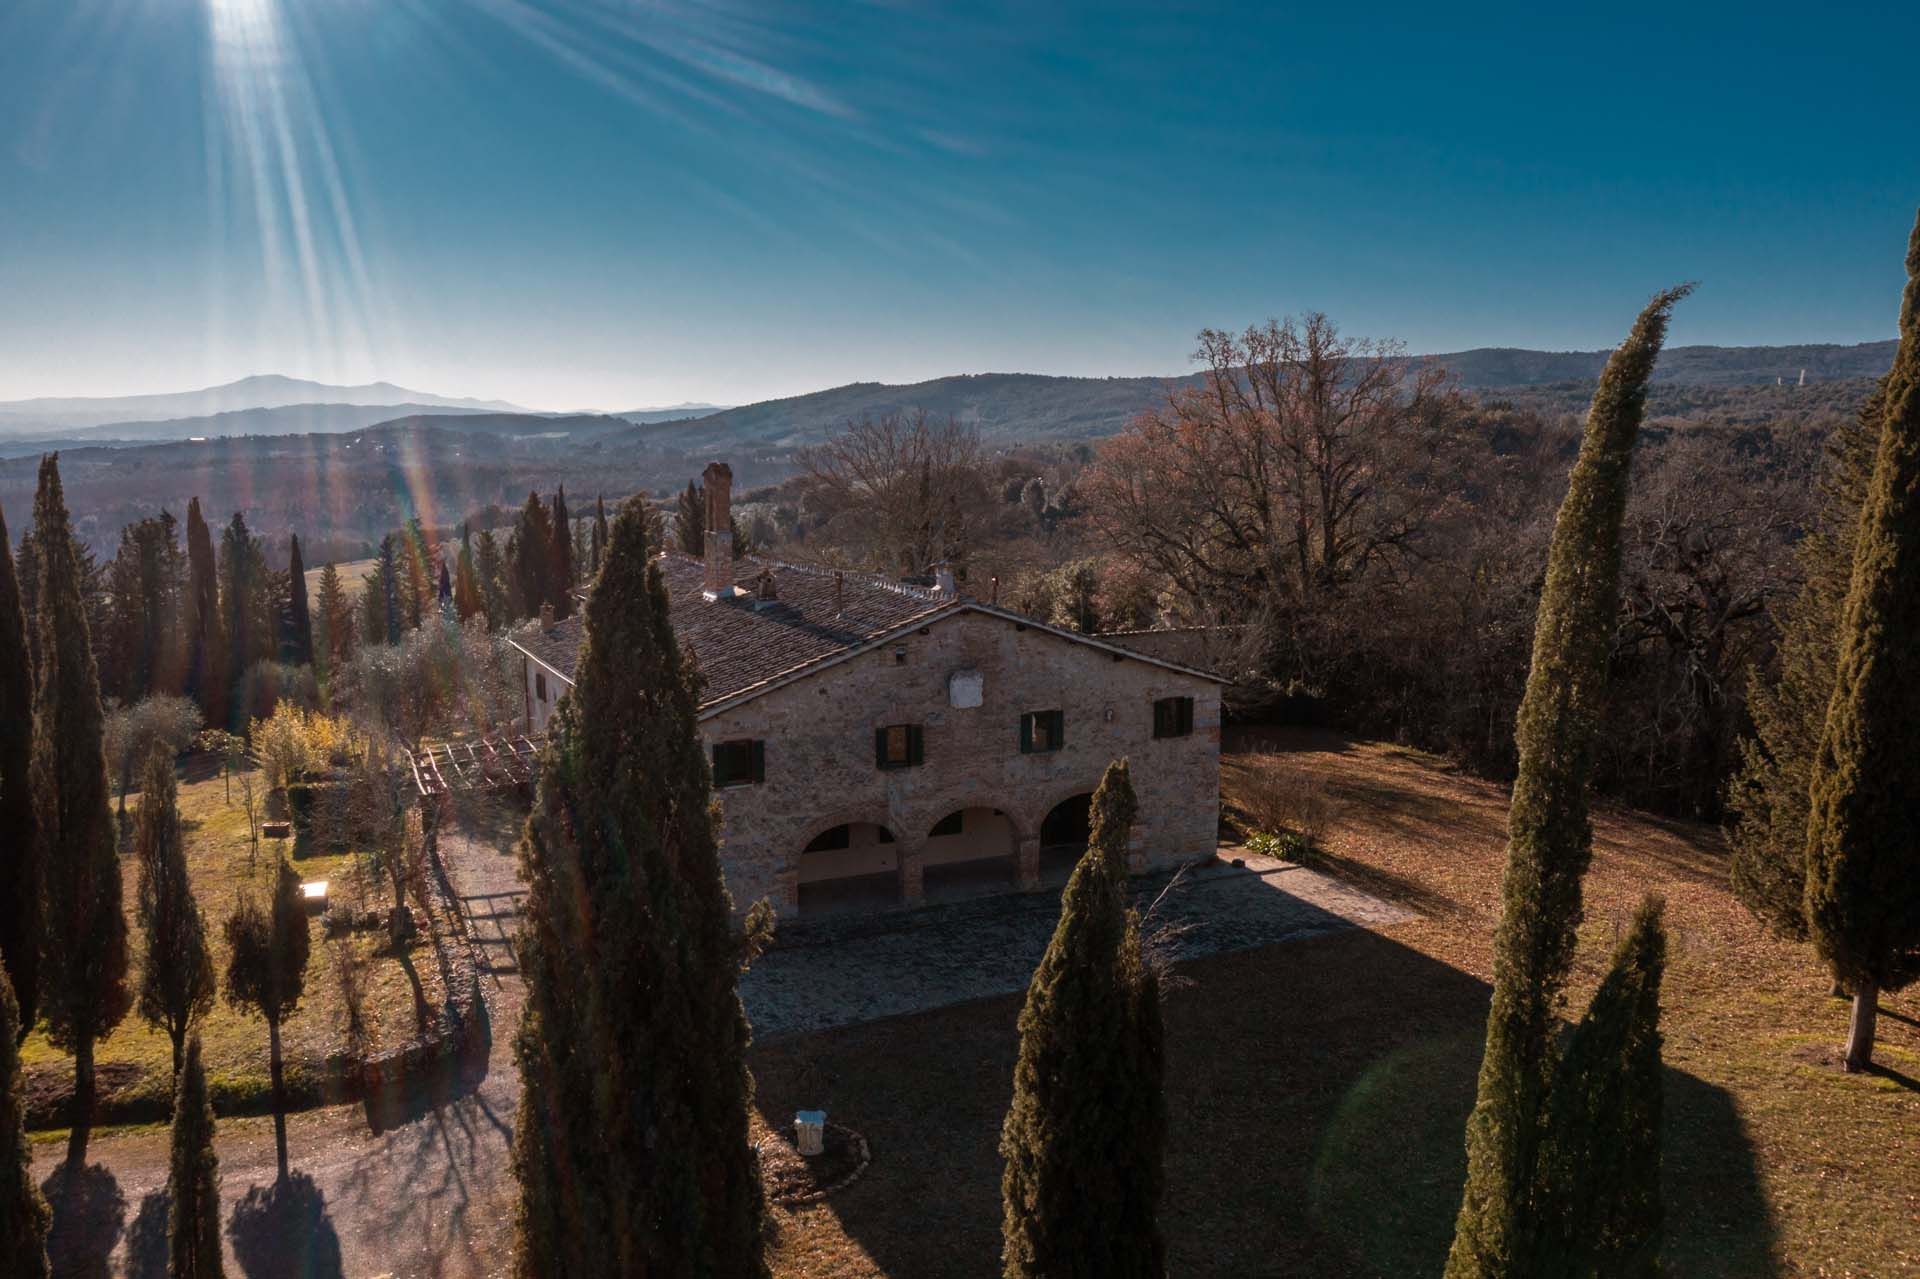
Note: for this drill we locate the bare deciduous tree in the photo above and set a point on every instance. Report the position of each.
(1303, 462)
(901, 492)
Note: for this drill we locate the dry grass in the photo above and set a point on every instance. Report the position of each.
(1318, 1089)
(136, 1061)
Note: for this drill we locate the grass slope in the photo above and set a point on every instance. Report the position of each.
(136, 1061)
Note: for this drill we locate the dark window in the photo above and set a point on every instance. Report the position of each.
(540, 685)
(828, 840)
(948, 825)
(1173, 717)
(739, 763)
(898, 746)
(886, 836)
(1042, 731)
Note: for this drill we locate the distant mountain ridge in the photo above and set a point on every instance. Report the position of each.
(54, 415)
(1035, 406)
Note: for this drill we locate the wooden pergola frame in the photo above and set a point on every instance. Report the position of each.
(491, 763)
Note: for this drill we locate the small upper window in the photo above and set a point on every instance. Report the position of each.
(1042, 731)
(540, 685)
(1173, 717)
(739, 763)
(898, 746)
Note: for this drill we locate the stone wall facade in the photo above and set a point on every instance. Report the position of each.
(820, 769)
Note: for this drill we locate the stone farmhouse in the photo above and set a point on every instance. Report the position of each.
(874, 742)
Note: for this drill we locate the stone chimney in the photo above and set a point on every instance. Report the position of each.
(718, 482)
(546, 618)
(943, 583)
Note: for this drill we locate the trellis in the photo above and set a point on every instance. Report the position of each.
(491, 763)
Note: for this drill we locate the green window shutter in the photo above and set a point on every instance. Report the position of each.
(1026, 734)
(1058, 738)
(879, 748)
(1186, 715)
(1160, 717)
(759, 760)
(916, 747)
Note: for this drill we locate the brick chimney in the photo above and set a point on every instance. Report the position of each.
(546, 618)
(718, 482)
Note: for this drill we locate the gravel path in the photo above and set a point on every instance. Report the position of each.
(839, 972)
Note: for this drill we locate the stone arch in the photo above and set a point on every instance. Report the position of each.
(1059, 855)
(969, 847)
(862, 872)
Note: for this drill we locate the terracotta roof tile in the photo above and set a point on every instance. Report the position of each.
(745, 640)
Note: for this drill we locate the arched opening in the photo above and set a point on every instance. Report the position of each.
(1064, 833)
(969, 852)
(851, 867)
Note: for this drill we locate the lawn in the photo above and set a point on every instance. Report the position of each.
(1318, 1090)
(135, 1062)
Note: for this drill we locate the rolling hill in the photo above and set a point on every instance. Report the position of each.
(1032, 406)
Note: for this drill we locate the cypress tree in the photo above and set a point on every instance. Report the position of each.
(466, 587)
(266, 973)
(24, 1218)
(331, 606)
(84, 970)
(690, 520)
(1768, 796)
(562, 555)
(176, 971)
(206, 632)
(299, 621)
(193, 1177)
(1083, 1138)
(1550, 836)
(490, 574)
(20, 869)
(1599, 1185)
(599, 549)
(532, 554)
(1863, 862)
(387, 601)
(631, 1141)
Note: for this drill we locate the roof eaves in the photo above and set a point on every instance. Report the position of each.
(1093, 641)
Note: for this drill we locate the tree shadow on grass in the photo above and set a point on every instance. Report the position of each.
(89, 1213)
(283, 1231)
(1317, 1095)
(1387, 1177)
(147, 1242)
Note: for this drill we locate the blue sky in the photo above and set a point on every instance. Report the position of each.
(573, 203)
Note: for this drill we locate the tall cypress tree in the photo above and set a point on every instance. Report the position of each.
(466, 586)
(631, 1142)
(1083, 1138)
(23, 1213)
(20, 869)
(562, 555)
(1550, 835)
(176, 969)
(299, 621)
(532, 554)
(1599, 1182)
(84, 974)
(193, 1177)
(1863, 833)
(244, 604)
(331, 609)
(207, 674)
(1768, 796)
(690, 520)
